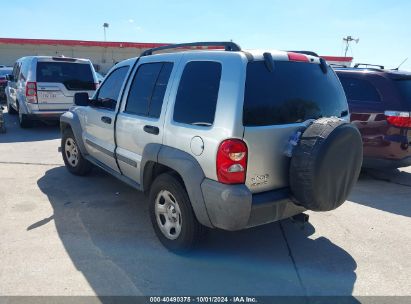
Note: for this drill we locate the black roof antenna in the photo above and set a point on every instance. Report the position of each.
(398, 67)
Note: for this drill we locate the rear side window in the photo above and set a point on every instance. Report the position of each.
(16, 70)
(148, 88)
(24, 70)
(359, 90)
(74, 76)
(293, 92)
(197, 93)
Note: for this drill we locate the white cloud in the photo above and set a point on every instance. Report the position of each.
(131, 20)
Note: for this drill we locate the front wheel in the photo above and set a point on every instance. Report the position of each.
(10, 109)
(73, 159)
(172, 216)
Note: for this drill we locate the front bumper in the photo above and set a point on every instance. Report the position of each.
(234, 207)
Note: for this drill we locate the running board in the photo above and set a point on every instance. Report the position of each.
(117, 175)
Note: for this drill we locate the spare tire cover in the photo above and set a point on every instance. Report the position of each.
(325, 164)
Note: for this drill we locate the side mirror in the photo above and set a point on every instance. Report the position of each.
(81, 99)
(10, 77)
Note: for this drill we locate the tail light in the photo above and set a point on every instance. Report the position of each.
(297, 57)
(399, 119)
(31, 92)
(232, 162)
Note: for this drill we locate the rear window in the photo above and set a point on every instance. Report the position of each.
(293, 92)
(404, 85)
(359, 90)
(74, 76)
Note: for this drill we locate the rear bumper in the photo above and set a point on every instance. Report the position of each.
(234, 207)
(44, 115)
(369, 162)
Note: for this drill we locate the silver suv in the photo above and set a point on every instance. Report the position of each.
(220, 138)
(42, 87)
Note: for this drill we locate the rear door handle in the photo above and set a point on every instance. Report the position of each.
(106, 119)
(152, 130)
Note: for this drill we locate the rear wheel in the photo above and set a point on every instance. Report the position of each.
(172, 216)
(73, 159)
(23, 120)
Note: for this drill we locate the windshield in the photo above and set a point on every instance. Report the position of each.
(75, 76)
(404, 86)
(293, 92)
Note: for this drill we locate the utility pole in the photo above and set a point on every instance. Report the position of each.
(105, 26)
(347, 41)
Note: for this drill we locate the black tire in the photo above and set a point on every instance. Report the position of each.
(326, 164)
(10, 109)
(191, 230)
(24, 121)
(79, 167)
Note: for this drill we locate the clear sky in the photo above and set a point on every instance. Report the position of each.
(383, 26)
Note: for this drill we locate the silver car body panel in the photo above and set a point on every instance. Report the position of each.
(267, 167)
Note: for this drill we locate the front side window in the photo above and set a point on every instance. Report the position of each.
(197, 93)
(109, 91)
(359, 90)
(147, 90)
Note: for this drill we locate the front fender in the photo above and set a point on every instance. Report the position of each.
(72, 120)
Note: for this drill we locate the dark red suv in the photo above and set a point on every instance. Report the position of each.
(380, 106)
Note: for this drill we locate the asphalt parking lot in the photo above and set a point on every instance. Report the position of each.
(67, 235)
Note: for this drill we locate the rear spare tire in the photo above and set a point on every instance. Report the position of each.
(326, 164)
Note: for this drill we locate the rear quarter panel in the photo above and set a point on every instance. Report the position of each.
(228, 115)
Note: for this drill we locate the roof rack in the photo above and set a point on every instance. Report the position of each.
(228, 46)
(357, 65)
(336, 65)
(310, 53)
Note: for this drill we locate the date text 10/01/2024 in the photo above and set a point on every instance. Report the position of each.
(199, 299)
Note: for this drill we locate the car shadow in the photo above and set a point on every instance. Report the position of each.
(386, 190)
(40, 131)
(395, 176)
(105, 228)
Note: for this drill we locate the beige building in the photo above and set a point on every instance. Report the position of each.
(103, 54)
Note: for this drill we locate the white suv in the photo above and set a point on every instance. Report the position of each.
(218, 138)
(43, 87)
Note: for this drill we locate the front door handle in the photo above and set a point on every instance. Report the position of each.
(152, 130)
(106, 119)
